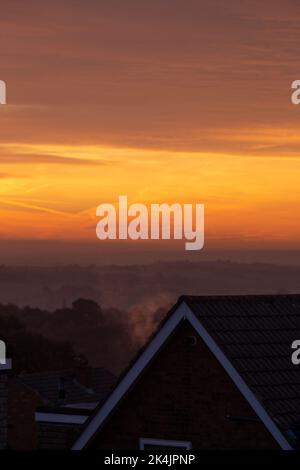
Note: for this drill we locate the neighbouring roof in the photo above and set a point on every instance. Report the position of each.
(47, 384)
(251, 336)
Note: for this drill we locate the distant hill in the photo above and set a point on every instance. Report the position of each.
(126, 287)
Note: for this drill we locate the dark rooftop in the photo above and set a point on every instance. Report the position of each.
(256, 333)
(48, 385)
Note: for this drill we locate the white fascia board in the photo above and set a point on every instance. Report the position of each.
(239, 382)
(133, 373)
(44, 417)
(183, 311)
(144, 441)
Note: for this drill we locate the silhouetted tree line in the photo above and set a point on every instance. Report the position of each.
(42, 340)
(31, 352)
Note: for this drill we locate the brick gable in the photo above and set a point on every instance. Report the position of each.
(184, 394)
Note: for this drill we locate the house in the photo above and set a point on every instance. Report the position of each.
(217, 374)
(5, 368)
(22, 402)
(47, 409)
(75, 386)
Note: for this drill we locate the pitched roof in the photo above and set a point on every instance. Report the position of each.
(256, 333)
(47, 385)
(251, 337)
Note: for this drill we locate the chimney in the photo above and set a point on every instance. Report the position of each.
(61, 391)
(82, 371)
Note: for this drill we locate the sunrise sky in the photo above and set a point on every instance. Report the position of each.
(182, 101)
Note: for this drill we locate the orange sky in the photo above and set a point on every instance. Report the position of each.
(163, 101)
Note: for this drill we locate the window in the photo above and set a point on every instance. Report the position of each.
(146, 444)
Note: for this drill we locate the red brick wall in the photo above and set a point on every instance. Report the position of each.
(22, 428)
(184, 395)
(54, 436)
(3, 409)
